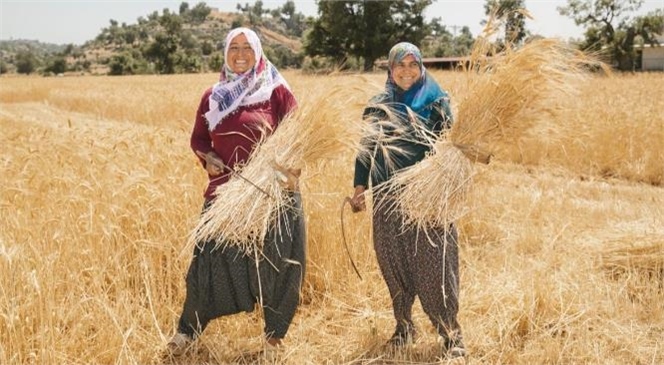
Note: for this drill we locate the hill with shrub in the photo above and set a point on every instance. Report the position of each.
(189, 41)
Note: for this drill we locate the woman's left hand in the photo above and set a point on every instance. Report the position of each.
(357, 201)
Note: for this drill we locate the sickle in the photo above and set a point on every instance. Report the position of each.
(343, 235)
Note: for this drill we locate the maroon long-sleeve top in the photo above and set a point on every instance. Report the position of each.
(235, 137)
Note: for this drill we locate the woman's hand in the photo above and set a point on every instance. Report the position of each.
(213, 163)
(357, 201)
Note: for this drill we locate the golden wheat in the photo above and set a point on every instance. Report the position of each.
(99, 194)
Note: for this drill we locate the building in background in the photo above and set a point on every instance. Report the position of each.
(652, 58)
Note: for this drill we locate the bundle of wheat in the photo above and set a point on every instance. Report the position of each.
(645, 255)
(247, 205)
(512, 90)
(440, 198)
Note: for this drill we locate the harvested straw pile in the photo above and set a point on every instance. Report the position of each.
(508, 93)
(248, 204)
(644, 255)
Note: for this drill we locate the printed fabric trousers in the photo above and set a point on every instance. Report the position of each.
(226, 280)
(417, 263)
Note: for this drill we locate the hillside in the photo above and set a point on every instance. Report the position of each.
(191, 41)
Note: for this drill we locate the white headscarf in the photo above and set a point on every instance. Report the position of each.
(235, 90)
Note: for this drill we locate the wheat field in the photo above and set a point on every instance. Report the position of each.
(562, 251)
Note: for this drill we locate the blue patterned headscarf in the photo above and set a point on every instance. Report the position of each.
(422, 94)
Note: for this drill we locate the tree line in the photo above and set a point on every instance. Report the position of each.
(347, 35)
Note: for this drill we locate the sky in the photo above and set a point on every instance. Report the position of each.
(77, 21)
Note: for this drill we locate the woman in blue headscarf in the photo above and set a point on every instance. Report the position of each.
(408, 117)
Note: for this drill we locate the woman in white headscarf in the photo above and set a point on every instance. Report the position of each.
(231, 119)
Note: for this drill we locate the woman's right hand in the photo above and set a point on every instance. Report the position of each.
(357, 201)
(213, 164)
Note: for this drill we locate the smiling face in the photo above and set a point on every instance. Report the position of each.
(406, 72)
(241, 57)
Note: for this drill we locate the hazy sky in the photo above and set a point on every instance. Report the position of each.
(77, 21)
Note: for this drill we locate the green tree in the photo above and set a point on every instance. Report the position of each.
(153, 17)
(509, 14)
(442, 43)
(295, 22)
(364, 29)
(282, 56)
(199, 13)
(327, 36)
(26, 62)
(121, 64)
(56, 65)
(172, 23)
(82, 65)
(463, 43)
(69, 50)
(609, 27)
(436, 27)
(184, 8)
(113, 34)
(129, 35)
(650, 26)
(189, 42)
(207, 48)
(253, 12)
(238, 21)
(188, 62)
(162, 52)
(216, 61)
